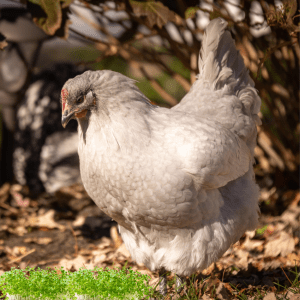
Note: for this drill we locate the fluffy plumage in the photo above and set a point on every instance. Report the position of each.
(179, 181)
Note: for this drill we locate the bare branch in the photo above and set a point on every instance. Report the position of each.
(167, 97)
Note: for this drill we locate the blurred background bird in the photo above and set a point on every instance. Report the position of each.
(45, 158)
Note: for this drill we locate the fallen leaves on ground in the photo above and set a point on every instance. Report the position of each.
(67, 229)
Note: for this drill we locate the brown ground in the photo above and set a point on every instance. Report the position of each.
(68, 230)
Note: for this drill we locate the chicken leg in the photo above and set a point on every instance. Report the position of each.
(162, 281)
(179, 283)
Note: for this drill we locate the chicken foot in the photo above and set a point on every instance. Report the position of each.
(162, 281)
(179, 283)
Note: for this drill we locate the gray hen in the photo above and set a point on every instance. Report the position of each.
(179, 181)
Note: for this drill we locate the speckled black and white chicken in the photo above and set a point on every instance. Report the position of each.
(45, 157)
(179, 181)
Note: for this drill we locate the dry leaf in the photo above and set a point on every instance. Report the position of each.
(3, 42)
(100, 259)
(79, 221)
(250, 245)
(4, 189)
(104, 243)
(70, 191)
(154, 12)
(208, 270)
(46, 220)
(243, 261)
(101, 252)
(51, 16)
(16, 251)
(115, 236)
(281, 243)
(76, 263)
(40, 241)
(123, 250)
(292, 216)
(292, 296)
(270, 296)
(222, 293)
(19, 230)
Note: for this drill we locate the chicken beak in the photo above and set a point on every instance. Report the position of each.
(67, 115)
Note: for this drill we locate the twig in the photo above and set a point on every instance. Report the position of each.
(96, 26)
(89, 38)
(269, 52)
(288, 157)
(266, 145)
(286, 276)
(22, 256)
(181, 80)
(76, 243)
(223, 274)
(234, 4)
(6, 206)
(193, 67)
(4, 198)
(167, 97)
(4, 190)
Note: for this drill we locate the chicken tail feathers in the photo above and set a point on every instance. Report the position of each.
(219, 51)
(222, 66)
(224, 91)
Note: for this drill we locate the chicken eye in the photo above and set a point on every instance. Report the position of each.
(80, 100)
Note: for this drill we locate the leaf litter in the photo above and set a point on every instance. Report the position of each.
(67, 229)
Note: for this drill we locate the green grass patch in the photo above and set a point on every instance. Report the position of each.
(113, 284)
(57, 284)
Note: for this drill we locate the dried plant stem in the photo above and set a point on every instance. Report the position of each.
(167, 97)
